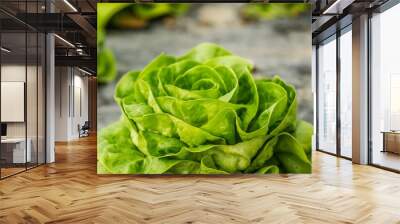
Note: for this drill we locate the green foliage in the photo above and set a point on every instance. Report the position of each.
(152, 11)
(135, 15)
(203, 113)
(271, 11)
(105, 11)
(126, 15)
(106, 66)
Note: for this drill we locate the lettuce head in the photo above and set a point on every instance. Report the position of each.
(204, 113)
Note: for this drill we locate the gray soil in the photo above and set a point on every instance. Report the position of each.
(280, 47)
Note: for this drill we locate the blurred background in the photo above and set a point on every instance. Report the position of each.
(276, 37)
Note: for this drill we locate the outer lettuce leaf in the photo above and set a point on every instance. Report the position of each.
(291, 155)
(269, 169)
(203, 113)
(117, 153)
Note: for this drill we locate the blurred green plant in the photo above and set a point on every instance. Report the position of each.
(123, 16)
(272, 11)
(106, 65)
(131, 15)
